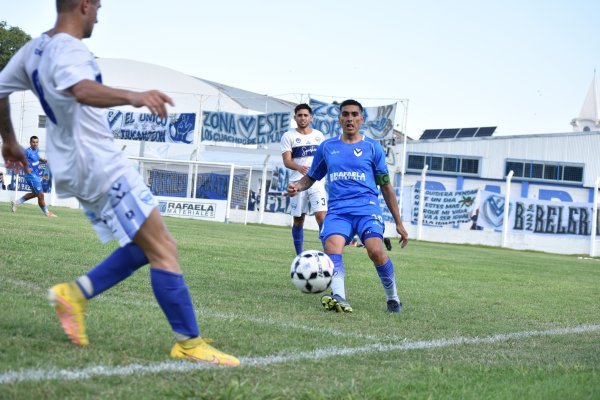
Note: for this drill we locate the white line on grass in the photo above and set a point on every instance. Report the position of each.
(30, 375)
(219, 315)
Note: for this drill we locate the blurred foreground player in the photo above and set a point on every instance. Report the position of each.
(63, 74)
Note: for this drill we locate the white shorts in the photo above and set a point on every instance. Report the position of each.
(119, 213)
(309, 201)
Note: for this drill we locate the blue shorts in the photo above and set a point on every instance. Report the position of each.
(35, 183)
(347, 225)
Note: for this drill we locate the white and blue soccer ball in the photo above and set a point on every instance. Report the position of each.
(312, 271)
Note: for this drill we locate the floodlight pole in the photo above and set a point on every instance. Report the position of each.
(421, 202)
(505, 223)
(594, 219)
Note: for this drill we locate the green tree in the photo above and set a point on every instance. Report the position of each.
(11, 40)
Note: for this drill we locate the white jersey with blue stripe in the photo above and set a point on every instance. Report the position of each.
(303, 146)
(80, 146)
(350, 170)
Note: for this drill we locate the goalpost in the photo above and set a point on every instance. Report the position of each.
(186, 179)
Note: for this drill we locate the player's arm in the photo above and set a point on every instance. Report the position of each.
(296, 187)
(291, 164)
(12, 152)
(95, 94)
(389, 195)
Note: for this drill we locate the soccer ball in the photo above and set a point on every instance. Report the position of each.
(312, 271)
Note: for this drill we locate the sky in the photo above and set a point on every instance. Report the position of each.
(524, 66)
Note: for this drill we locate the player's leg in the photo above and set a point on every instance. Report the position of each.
(298, 233)
(21, 200)
(318, 203)
(70, 299)
(335, 233)
(372, 236)
(167, 280)
(43, 206)
(172, 294)
(298, 210)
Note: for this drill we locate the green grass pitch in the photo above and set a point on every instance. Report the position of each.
(478, 323)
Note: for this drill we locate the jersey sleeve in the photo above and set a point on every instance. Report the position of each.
(379, 159)
(286, 143)
(14, 77)
(318, 169)
(73, 63)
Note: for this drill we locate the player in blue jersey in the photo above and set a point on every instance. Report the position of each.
(33, 179)
(354, 166)
(63, 73)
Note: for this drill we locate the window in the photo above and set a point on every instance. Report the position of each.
(41, 121)
(445, 165)
(469, 166)
(533, 170)
(435, 163)
(416, 162)
(551, 171)
(516, 167)
(573, 174)
(450, 164)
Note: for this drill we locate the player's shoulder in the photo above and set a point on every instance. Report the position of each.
(317, 132)
(287, 136)
(64, 46)
(331, 140)
(369, 141)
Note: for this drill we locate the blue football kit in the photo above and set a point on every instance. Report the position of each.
(353, 194)
(33, 178)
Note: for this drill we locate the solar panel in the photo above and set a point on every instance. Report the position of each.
(466, 132)
(430, 134)
(451, 133)
(448, 134)
(487, 131)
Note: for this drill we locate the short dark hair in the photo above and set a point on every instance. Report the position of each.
(303, 106)
(33, 137)
(351, 102)
(66, 5)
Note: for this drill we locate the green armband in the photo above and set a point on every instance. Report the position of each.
(382, 179)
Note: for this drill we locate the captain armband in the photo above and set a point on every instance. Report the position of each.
(382, 179)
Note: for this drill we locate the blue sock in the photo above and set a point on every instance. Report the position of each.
(123, 262)
(21, 200)
(45, 209)
(298, 236)
(337, 282)
(320, 238)
(386, 275)
(174, 298)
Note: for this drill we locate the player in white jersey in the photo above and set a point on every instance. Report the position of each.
(63, 74)
(297, 149)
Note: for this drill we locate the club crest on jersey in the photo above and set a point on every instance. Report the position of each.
(358, 152)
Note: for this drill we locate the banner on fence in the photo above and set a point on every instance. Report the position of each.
(379, 121)
(22, 185)
(176, 128)
(444, 208)
(220, 126)
(536, 216)
(211, 210)
(280, 178)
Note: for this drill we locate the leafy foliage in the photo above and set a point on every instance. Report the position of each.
(11, 40)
